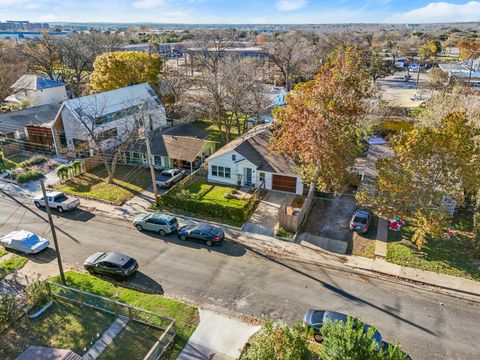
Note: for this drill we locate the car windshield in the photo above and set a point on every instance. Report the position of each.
(317, 317)
(60, 198)
(166, 174)
(360, 220)
(172, 221)
(128, 263)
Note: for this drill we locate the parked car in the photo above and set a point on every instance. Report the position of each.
(413, 67)
(24, 241)
(315, 319)
(169, 177)
(361, 220)
(57, 200)
(161, 223)
(208, 234)
(115, 265)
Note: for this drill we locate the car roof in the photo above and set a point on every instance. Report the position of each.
(116, 258)
(169, 170)
(54, 193)
(203, 227)
(162, 216)
(334, 316)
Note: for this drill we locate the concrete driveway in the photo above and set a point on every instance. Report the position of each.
(265, 217)
(327, 225)
(217, 337)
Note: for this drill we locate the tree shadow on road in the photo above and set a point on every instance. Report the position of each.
(346, 294)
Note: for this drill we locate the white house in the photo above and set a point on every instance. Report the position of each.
(36, 90)
(248, 161)
(110, 114)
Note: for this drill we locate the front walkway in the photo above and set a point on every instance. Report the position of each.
(217, 337)
(265, 218)
(101, 344)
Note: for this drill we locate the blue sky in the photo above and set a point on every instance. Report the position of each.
(241, 11)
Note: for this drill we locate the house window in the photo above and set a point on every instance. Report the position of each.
(234, 157)
(109, 134)
(221, 171)
(262, 177)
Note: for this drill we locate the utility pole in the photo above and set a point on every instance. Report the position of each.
(54, 234)
(149, 154)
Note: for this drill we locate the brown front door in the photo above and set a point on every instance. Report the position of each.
(284, 183)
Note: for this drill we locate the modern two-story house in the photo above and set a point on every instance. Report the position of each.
(108, 116)
(248, 161)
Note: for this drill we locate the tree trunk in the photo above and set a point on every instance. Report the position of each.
(237, 120)
(109, 171)
(313, 184)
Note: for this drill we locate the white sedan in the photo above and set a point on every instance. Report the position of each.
(24, 241)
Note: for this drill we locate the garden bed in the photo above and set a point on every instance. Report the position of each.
(13, 263)
(128, 181)
(25, 168)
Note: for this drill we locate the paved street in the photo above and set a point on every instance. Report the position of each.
(428, 325)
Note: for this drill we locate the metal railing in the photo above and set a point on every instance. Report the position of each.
(100, 303)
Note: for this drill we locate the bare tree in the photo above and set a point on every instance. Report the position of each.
(12, 67)
(173, 87)
(43, 56)
(105, 141)
(293, 53)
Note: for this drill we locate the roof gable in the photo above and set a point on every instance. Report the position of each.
(34, 82)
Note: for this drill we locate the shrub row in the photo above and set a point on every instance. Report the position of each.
(217, 211)
(35, 160)
(27, 176)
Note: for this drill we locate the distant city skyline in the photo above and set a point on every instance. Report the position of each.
(241, 12)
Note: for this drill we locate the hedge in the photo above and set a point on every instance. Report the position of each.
(25, 177)
(36, 160)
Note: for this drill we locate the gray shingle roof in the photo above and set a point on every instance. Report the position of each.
(181, 142)
(254, 145)
(42, 115)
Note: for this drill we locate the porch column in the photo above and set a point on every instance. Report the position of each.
(191, 166)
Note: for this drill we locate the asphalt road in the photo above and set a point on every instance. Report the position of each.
(427, 324)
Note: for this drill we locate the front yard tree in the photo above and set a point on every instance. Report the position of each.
(349, 341)
(432, 167)
(114, 70)
(276, 341)
(469, 51)
(316, 128)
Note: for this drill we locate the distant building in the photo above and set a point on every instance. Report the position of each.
(466, 72)
(27, 35)
(36, 90)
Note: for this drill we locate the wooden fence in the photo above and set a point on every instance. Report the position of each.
(292, 222)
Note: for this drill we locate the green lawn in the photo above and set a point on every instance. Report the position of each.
(208, 201)
(134, 342)
(446, 256)
(214, 194)
(215, 133)
(186, 316)
(15, 262)
(64, 325)
(128, 181)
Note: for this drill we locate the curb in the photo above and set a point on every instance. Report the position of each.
(335, 264)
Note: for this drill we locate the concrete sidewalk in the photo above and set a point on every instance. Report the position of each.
(217, 337)
(271, 246)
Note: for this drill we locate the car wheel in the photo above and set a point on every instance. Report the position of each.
(162, 233)
(91, 272)
(60, 209)
(183, 237)
(318, 337)
(119, 278)
(209, 242)
(139, 227)
(37, 204)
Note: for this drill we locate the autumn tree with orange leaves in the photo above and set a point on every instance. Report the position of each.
(316, 128)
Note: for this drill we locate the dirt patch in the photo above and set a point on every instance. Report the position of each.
(362, 246)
